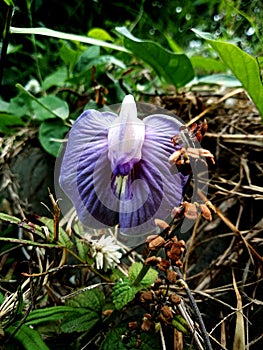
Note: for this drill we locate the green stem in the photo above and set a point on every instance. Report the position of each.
(142, 273)
(5, 40)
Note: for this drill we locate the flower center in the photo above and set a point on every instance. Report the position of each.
(125, 139)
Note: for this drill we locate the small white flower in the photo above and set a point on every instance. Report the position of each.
(105, 252)
(33, 86)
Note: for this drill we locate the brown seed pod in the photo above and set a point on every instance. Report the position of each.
(156, 243)
(205, 211)
(172, 276)
(190, 211)
(146, 297)
(174, 298)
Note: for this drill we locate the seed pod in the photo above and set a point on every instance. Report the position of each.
(174, 298)
(205, 211)
(156, 243)
(172, 276)
(166, 311)
(146, 297)
(190, 211)
(163, 265)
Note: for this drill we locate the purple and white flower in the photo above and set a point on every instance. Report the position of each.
(115, 169)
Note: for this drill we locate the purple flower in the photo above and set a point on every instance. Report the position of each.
(116, 170)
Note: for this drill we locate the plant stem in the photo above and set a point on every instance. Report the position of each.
(196, 311)
(142, 273)
(5, 40)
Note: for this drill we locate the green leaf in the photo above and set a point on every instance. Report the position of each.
(63, 238)
(243, 66)
(180, 324)
(99, 33)
(34, 228)
(68, 55)
(2, 298)
(51, 133)
(174, 68)
(88, 309)
(9, 2)
(219, 79)
(29, 338)
(208, 64)
(55, 79)
(66, 36)
(88, 56)
(20, 105)
(123, 292)
(147, 280)
(81, 321)
(113, 340)
(3, 106)
(92, 299)
(50, 107)
(8, 122)
(48, 314)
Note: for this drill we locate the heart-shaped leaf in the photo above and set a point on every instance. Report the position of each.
(174, 68)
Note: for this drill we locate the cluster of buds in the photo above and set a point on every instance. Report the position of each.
(188, 148)
(174, 249)
(159, 308)
(192, 210)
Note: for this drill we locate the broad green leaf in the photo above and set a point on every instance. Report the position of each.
(88, 310)
(219, 79)
(51, 134)
(147, 280)
(50, 107)
(42, 108)
(99, 33)
(68, 55)
(4, 106)
(66, 36)
(48, 314)
(85, 59)
(208, 64)
(55, 79)
(174, 68)
(123, 292)
(9, 122)
(82, 320)
(92, 299)
(20, 105)
(243, 66)
(27, 337)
